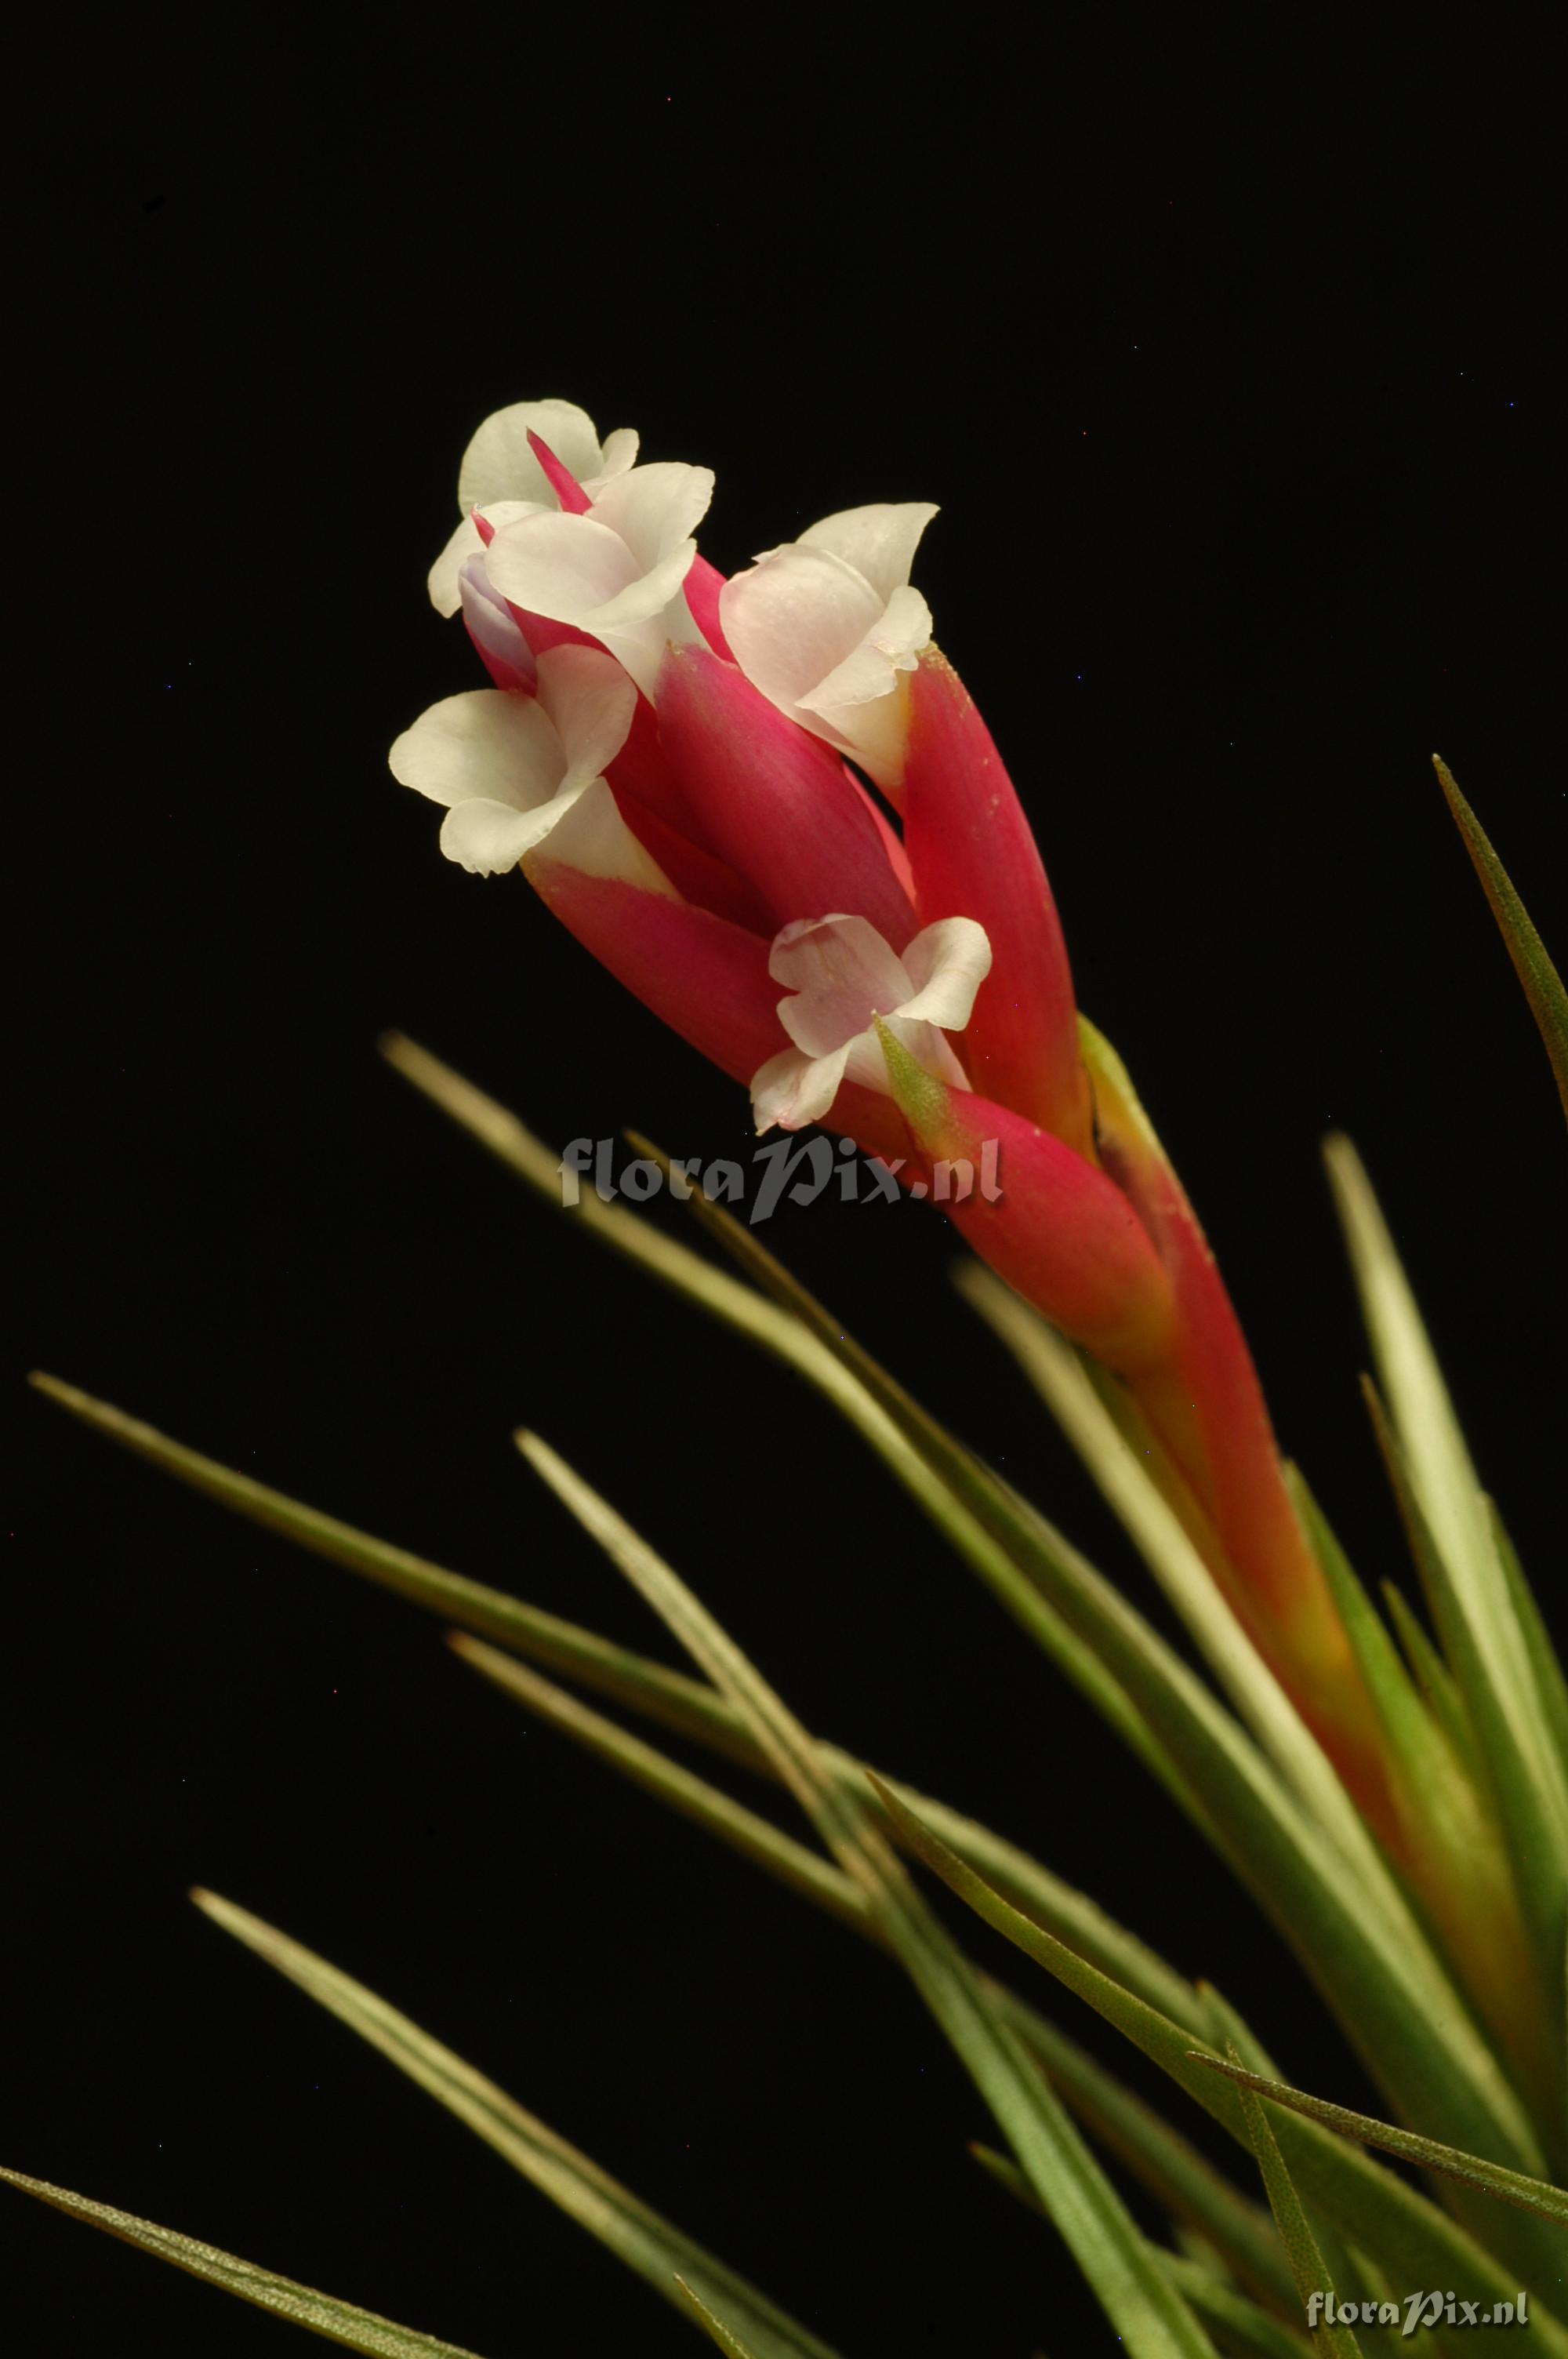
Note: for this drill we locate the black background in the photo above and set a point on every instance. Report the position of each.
(1232, 354)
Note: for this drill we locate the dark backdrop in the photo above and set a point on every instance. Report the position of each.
(1233, 360)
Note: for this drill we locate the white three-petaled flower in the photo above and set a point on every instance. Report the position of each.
(826, 625)
(513, 770)
(843, 975)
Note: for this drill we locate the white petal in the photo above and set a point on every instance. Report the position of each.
(488, 838)
(620, 453)
(655, 508)
(466, 543)
(485, 742)
(871, 669)
(491, 623)
(499, 465)
(792, 1090)
(592, 837)
(925, 1044)
(794, 618)
(844, 974)
(947, 962)
(879, 541)
(590, 700)
(463, 544)
(649, 595)
(562, 566)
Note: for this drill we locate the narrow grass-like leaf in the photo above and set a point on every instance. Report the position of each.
(1295, 2229)
(631, 2229)
(1432, 1675)
(1078, 1406)
(1042, 1583)
(716, 2330)
(320, 2313)
(961, 1496)
(1076, 1919)
(1150, 2318)
(667, 1696)
(1468, 1887)
(1543, 986)
(1165, 2162)
(1419, 2243)
(1543, 1656)
(1443, 1480)
(670, 1698)
(753, 1837)
(1406, 1720)
(1507, 2186)
(1241, 2326)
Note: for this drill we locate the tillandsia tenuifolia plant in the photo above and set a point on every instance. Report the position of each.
(769, 807)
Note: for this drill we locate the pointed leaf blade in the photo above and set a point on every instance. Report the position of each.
(336, 2322)
(1543, 986)
(631, 2229)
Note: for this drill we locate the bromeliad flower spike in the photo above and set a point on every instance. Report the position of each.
(768, 804)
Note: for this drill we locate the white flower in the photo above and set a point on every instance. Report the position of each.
(513, 770)
(616, 572)
(843, 975)
(824, 626)
(501, 477)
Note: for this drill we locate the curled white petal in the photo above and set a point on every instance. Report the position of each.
(493, 628)
(846, 980)
(879, 542)
(793, 1089)
(825, 645)
(579, 570)
(793, 618)
(655, 508)
(561, 566)
(499, 463)
(485, 743)
(591, 702)
(591, 837)
(488, 838)
(947, 963)
(842, 973)
(870, 670)
(465, 547)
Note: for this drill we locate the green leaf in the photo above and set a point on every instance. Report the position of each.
(1509, 2185)
(688, 1706)
(664, 1695)
(1242, 2325)
(1295, 2229)
(1442, 1479)
(1150, 2318)
(1548, 1669)
(1416, 2242)
(631, 2229)
(669, 1697)
(925, 1458)
(1542, 984)
(337, 2322)
(1239, 2325)
(754, 1838)
(1166, 2163)
(717, 2330)
(1070, 1914)
(1473, 1601)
